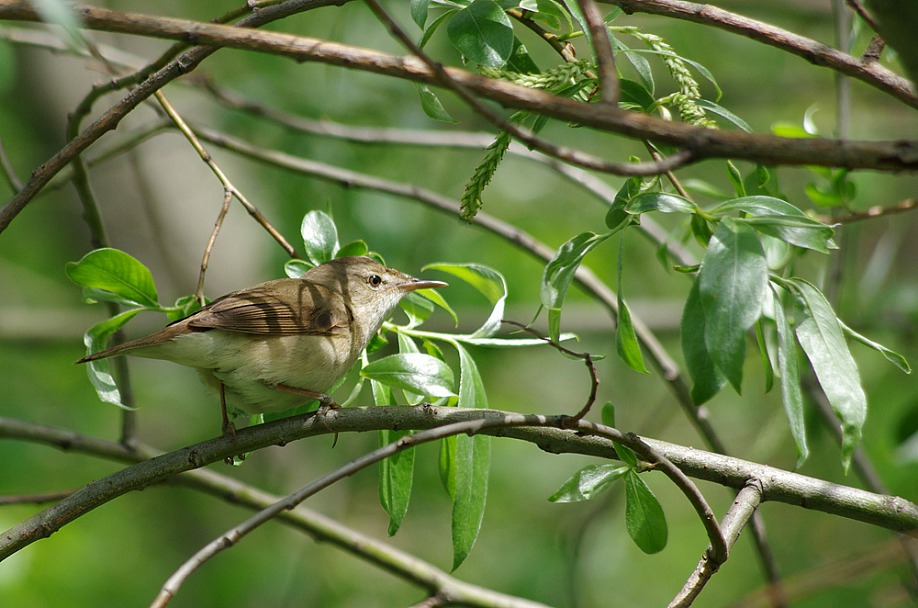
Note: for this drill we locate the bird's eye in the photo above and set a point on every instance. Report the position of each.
(374, 280)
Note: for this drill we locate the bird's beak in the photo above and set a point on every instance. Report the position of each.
(415, 284)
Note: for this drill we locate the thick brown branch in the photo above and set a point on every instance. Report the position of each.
(700, 142)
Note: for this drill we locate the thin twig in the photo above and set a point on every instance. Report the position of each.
(230, 190)
(585, 356)
(9, 172)
(573, 156)
(602, 47)
(909, 204)
(36, 499)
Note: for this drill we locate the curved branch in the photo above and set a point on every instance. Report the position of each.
(777, 485)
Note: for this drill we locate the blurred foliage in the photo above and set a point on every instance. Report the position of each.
(159, 203)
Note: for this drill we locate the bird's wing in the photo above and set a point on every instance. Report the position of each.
(266, 309)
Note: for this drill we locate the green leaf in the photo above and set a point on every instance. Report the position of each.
(511, 342)
(731, 283)
(548, 12)
(589, 482)
(659, 201)
(560, 272)
(644, 517)
(319, 236)
(396, 473)
(607, 414)
(417, 308)
(520, 61)
(118, 273)
(60, 13)
(470, 460)
(296, 269)
(434, 26)
(725, 113)
(447, 465)
(636, 95)
(790, 382)
(763, 355)
(418, 9)
(626, 342)
(890, 355)
(707, 380)
(802, 232)
(415, 372)
(354, 248)
(98, 371)
(482, 33)
(434, 296)
(822, 339)
(489, 282)
(407, 345)
(736, 178)
(432, 106)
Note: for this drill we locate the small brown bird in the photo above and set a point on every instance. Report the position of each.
(278, 344)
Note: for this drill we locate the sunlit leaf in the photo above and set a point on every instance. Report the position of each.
(118, 273)
(489, 283)
(414, 372)
(320, 237)
(890, 355)
(98, 371)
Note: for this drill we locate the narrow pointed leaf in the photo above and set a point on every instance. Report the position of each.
(707, 380)
(626, 342)
(644, 518)
(790, 382)
(659, 201)
(731, 283)
(472, 464)
(396, 473)
(559, 272)
(822, 339)
(890, 355)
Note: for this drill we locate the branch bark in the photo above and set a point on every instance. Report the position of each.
(700, 143)
(889, 512)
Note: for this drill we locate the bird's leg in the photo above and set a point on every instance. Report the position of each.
(228, 427)
(326, 403)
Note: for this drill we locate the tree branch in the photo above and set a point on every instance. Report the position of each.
(777, 485)
(700, 143)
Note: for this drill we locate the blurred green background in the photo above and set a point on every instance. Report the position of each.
(159, 203)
